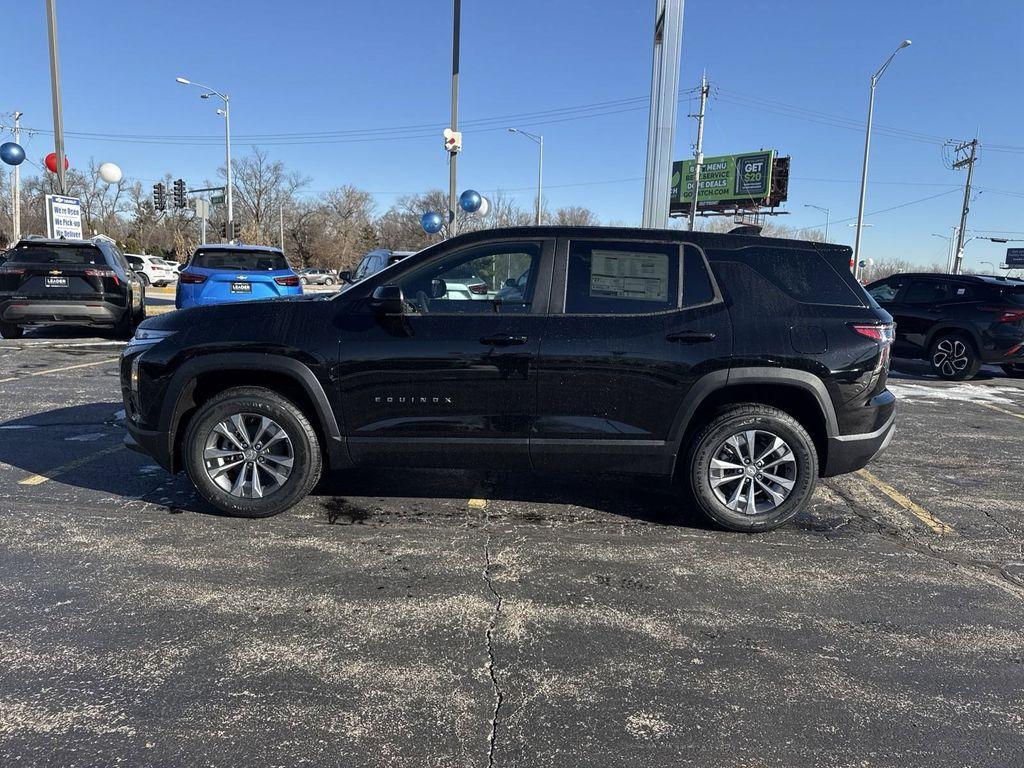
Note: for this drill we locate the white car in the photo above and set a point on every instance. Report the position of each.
(152, 270)
(175, 266)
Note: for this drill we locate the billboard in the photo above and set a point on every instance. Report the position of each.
(737, 180)
(1015, 257)
(63, 217)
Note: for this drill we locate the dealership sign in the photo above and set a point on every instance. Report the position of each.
(740, 179)
(63, 217)
(1015, 257)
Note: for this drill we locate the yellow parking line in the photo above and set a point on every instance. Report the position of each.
(58, 370)
(1001, 410)
(478, 503)
(56, 471)
(937, 526)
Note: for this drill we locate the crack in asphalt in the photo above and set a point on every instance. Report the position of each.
(990, 573)
(489, 637)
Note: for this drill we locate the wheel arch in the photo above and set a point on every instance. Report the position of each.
(200, 379)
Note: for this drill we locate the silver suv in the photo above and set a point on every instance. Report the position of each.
(317, 277)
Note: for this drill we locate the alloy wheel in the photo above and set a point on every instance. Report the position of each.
(248, 455)
(753, 471)
(950, 357)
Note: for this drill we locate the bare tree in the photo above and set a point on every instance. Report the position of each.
(261, 186)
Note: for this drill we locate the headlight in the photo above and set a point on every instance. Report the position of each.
(145, 337)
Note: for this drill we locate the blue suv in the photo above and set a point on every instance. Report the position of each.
(222, 273)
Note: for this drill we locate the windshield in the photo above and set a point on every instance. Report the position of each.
(250, 261)
(57, 254)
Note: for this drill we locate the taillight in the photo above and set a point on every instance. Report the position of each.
(480, 289)
(12, 270)
(103, 273)
(191, 278)
(290, 281)
(882, 333)
(1004, 315)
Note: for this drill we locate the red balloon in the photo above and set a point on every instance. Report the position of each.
(51, 162)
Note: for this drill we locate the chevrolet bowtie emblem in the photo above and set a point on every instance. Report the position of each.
(56, 272)
(241, 277)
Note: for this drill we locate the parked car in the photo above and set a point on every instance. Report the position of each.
(69, 282)
(956, 322)
(746, 367)
(313, 276)
(230, 273)
(175, 265)
(372, 263)
(152, 270)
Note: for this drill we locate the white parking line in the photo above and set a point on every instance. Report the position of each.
(59, 370)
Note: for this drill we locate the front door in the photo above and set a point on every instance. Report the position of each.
(633, 325)
(452, 381)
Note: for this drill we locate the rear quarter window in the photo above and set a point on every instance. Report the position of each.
(803, 275)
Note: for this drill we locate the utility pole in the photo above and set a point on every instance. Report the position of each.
(58, 117)
(280, 222)
(698, 157)
(16, 192)
(661, 122)
(453, 152)
(969, 162)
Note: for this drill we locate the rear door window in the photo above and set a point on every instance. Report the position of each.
(928, 292)
(247, 261)
(622, 278)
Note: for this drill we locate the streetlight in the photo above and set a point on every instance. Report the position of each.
(990, 264)
(823, 210)
(867, 148)
(226, 114)
(539, 141)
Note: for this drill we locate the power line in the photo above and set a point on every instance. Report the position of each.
(891, 208)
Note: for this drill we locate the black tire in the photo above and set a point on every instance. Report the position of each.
(11, 331)
(128, 322)
(304, 449)
(144, 278)
(801, 470)
(1016, 371)
(953, 357)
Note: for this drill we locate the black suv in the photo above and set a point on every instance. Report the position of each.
(957, 322)
(69, 282)
(745, 366)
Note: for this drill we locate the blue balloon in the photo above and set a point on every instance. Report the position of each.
(431, 222)
(470, 201)
(12, 153)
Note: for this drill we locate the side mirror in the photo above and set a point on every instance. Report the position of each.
(438, 288)
(388, 300)
(345, 275)
(511, 283)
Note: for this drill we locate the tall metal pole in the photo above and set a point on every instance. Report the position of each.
(58, 118)
(227, 167)
(453, 154)
(969, 162)
(867, 148)
(661, 123)
(698, 157)
(280, 222)
(863, 182)
(540, 181)
(16, 191)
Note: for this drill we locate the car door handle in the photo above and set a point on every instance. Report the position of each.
(691, 337)
(503, 340)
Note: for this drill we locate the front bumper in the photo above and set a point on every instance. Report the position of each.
(49, 312)
(848, 453)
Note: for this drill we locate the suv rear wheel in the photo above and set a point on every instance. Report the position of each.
(953, 357)
(11, 331)
(252, 453)
(752, 468)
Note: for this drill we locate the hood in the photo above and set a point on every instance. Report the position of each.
(233, 312)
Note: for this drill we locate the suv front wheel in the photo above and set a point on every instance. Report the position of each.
(252, 453)
(752, 468)
(953, 357)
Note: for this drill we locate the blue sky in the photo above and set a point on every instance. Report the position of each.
(318, 66)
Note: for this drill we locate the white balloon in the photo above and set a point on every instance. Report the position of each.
(485, 206)
(110, 173)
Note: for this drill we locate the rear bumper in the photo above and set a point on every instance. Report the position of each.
(848, 453)
(49, 312)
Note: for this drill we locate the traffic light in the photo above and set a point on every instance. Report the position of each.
(159, 197)
(224, 231)
(179, 194)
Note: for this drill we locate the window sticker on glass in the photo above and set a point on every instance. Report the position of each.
(625, 275)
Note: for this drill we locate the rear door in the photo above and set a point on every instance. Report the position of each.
(919, 306)
(450, 383)
(634, 324)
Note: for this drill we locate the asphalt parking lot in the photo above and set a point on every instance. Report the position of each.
(461, 619)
